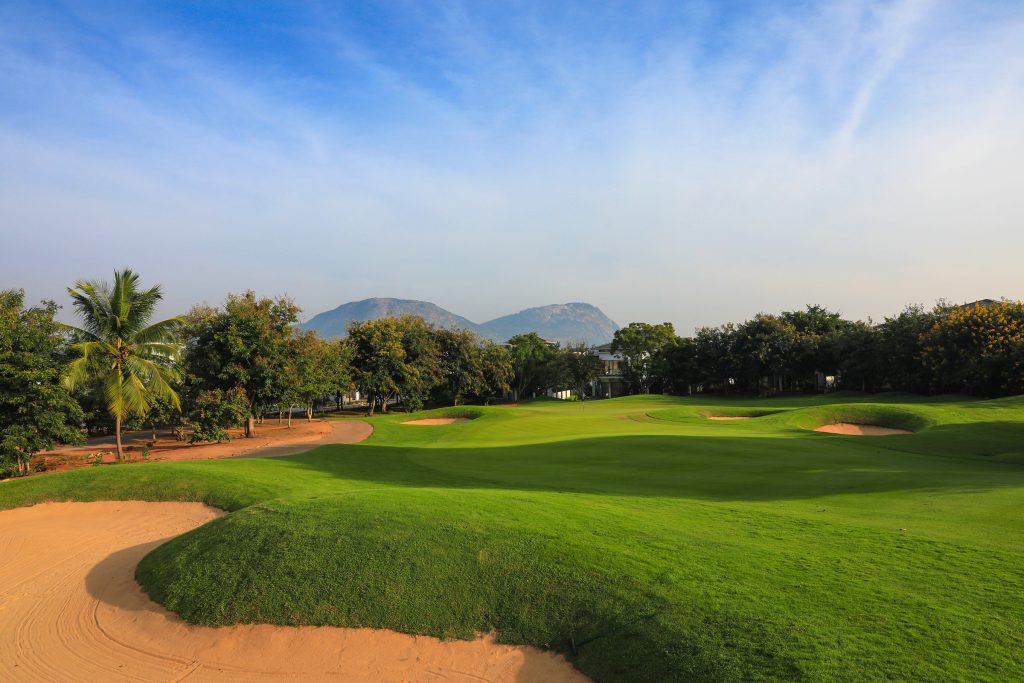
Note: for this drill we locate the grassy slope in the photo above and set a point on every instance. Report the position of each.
(718, 550)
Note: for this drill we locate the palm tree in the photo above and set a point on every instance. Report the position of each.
(134, 361)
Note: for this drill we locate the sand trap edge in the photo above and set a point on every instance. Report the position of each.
(853, 429)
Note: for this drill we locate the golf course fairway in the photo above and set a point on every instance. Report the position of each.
(637, 537)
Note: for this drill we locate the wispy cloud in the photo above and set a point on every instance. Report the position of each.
(693, 164)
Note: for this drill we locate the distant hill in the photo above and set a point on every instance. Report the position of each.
(335, 323)
(558, 322)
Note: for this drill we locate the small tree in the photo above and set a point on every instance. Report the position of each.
(421, 370)
(461, 364)
(580, 365)
(315, 369)
(496, 365)
(640, 344)
(213, 412)
(36, 410)
(533, 363)
(378, 358)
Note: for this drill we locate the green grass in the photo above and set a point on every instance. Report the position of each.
(689, 548)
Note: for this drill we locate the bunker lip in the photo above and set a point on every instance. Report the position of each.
(86, 618)
(855, 429)
(729, 417)
(435, 421)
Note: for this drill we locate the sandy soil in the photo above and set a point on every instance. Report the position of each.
(70, 609)
(271, 440)
(852, 429)
(437, 421)
(728, 417)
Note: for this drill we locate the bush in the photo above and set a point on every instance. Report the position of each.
(7, 468)
(214, 411)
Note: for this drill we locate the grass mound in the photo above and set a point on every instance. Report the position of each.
(445, 570)
(876, 414)
(737, 412)
(665, 548)
(458, 412)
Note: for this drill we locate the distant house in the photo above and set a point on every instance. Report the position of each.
(611, 382)
(980, 303)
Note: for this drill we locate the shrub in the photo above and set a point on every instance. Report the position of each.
(214, 411)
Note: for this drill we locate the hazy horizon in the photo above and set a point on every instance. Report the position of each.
(695, 164)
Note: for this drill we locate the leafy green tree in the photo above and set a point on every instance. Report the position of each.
(640, 345)
(213, 411)
(163, 413)
(462, 366)
(817, 344)
(902, 347)
(580, 366)
(976, 349)
(496, 363)
(861, 359)
(244, 345)
(533, 364)
(314, 370)
(133, 359)
(36, 409)
(339, 359)
(715, 356)
(421, 368)
(679, 366)
(766, 345)
(378, 357)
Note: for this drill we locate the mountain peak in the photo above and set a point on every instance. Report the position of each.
(568, 322)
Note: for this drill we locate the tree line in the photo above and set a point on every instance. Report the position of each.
(975, 349)
(232, 365)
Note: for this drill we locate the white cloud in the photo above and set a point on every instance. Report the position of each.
(858, 157)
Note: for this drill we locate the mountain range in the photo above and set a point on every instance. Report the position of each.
(558, 322)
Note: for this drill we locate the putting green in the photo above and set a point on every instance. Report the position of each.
(635, 535)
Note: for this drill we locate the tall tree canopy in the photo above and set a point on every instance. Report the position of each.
(36, 409)
(379, 358)
(133, 359)
(580, 366)
(641, 344)
(242, 346)
(534, 363)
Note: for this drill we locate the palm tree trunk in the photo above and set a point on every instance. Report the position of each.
(117, 432)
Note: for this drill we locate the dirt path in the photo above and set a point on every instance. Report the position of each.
(271, 440)
(347, 431)
(70, 609)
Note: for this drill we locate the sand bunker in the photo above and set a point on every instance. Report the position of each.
(728, 417)
(437, 421)
(70, 609)
(851, 429)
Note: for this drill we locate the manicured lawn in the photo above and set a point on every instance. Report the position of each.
(665, 545)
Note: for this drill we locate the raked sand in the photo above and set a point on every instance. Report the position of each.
(70, 609)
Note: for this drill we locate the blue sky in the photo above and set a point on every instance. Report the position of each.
(684, 161)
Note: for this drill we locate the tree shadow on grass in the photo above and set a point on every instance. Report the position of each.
(702, 467)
